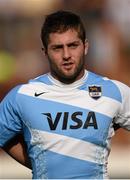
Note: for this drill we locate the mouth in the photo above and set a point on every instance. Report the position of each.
(68, 65)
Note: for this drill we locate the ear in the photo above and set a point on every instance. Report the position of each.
(44, 51)
(86, 45)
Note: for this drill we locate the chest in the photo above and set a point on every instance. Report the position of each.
(76, 115)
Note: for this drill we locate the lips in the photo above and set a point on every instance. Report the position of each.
(68, 65)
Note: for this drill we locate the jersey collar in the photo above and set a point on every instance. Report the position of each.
(75, 84)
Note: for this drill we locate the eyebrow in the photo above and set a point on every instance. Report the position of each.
(61, 45)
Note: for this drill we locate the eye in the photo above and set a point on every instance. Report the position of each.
(73, 45)
(57, 48)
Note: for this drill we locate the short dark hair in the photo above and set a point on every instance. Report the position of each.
(61, 21)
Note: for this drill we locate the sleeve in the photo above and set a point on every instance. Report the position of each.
(123, 117)
(10, 121)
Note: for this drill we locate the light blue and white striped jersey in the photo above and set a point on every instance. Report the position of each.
(67, 128)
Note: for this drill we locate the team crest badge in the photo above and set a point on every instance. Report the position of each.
(95, 92)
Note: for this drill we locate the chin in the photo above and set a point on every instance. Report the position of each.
(69, 73)
(68, 78)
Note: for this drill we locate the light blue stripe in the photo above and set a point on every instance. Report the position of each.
(109, 89)
(34, 114)
(63, 167)
(43, 78)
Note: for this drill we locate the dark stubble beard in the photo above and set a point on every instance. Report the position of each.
(58, 74)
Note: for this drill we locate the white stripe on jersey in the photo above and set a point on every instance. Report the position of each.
(69, 146)
(52, 94)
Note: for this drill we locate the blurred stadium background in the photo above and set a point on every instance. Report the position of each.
(108, 25)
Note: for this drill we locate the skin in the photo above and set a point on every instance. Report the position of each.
(66, 54)
(17, 149)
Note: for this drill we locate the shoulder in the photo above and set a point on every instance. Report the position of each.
(11, 98)
(31, 84)
(123, 88)
(13, 92)
(42, 79)
(28, 89)
(111, 88)
(108, 82)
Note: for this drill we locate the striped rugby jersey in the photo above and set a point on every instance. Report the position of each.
(67, 128)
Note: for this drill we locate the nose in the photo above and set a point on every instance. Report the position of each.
(66, 53)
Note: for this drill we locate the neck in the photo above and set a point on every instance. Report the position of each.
(68, 80)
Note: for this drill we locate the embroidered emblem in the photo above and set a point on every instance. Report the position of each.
(95, 91)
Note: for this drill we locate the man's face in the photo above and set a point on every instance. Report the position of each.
(66, 53)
